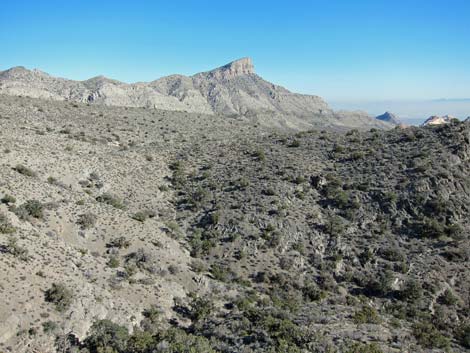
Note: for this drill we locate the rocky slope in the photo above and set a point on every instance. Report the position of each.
(233, 90)
(131, 230)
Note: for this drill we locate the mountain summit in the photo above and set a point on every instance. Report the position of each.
(243, 66)
(233, 90)
(389, 117)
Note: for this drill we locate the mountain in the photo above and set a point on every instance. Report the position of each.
(438, 120)
(134, 230)
(233, 90)
(389, 118)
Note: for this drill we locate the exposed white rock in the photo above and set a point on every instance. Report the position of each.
(438, 120)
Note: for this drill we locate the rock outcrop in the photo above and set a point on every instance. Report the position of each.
(438, 120)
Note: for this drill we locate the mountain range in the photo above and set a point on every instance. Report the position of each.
(232, 90)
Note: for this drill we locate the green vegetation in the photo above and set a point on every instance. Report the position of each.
(428, 336)
(60, 296)
(87, 220)
(25, 170)
(8, 199)
(16, 250)
(367, 315)
(31, 208)
(111, 199)
(5, 226)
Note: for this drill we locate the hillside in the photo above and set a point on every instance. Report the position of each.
(128, 229)
(232, 90)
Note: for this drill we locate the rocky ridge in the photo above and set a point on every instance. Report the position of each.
(231, 90)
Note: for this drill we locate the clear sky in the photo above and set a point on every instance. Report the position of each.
(339, 49)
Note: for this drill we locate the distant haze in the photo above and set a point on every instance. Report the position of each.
(410, 111)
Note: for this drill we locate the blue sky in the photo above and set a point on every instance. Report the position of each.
(342, 50)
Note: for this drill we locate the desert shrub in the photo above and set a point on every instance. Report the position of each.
(356, 155)
(200, 243)
(334, 225)
(411, 291)
(8, 199)
(220, 273)
(340, 198)
(269, 192)
(107, 337)
(113, 262)
(51, 180)
(286, 334)
(338, 148)
(367, 315)
(5, 226)
(140, 342)
(163, 188)
(31, 208)
(173, 269)
(436, 207)
(299, 179)
(178, 178)
(428, 336)
(14, 249)
(448, 298)
(389, 198)
(181, 342)
(198, 266)
(364, 348)
(462, 334)
(140, 216)
(242, 183)
(259, 154)
(141, 258)
(25, 170)
(201, 308)
(311, 292)
(87, 220)
(294, 143)
(49, 326)
(213, 218)
(366, 256)
(198, 197)
(380, 286)
(60, 296)
(119, 242)
(431, 228)
(112, 200)
(392, 254)
(151, 320)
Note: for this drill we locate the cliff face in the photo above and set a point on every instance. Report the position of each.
(236, 68)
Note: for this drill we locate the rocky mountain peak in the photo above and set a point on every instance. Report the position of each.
(389, 117)
(243, 66)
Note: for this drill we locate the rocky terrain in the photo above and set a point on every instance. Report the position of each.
(232, 90)
(439, 120)
(126, 229)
